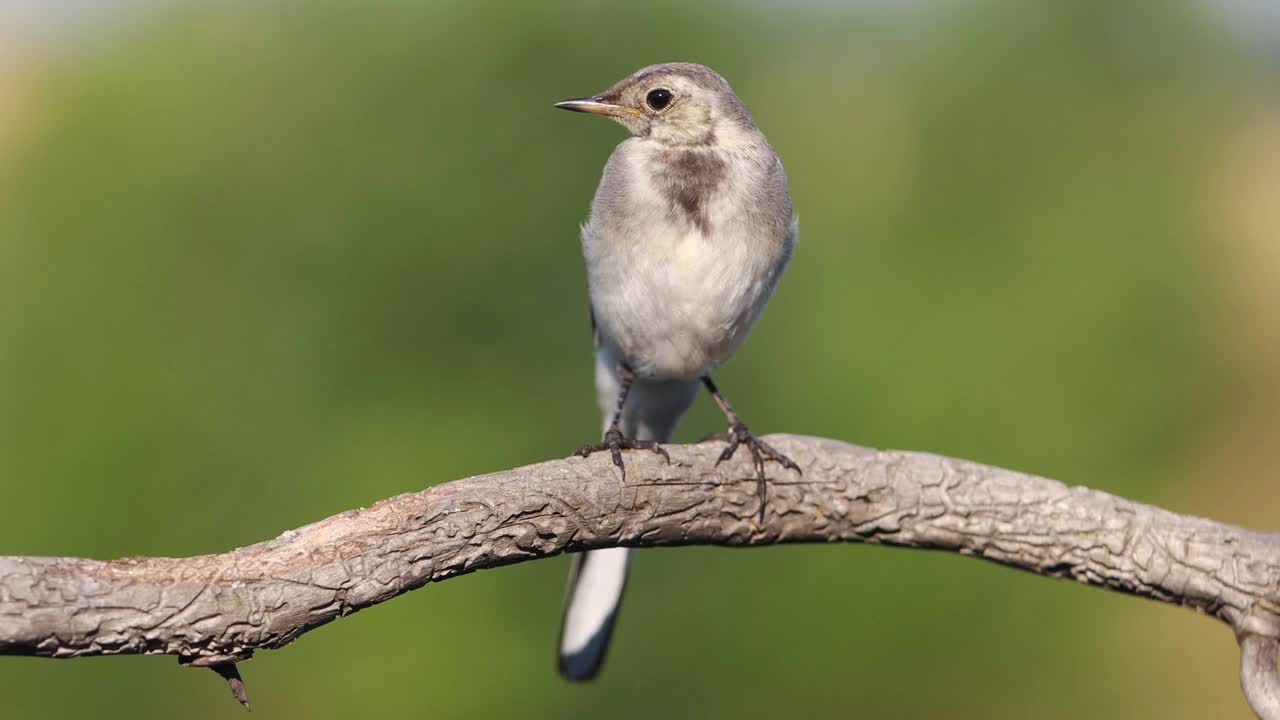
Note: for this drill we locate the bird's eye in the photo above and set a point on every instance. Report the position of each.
(658, 99)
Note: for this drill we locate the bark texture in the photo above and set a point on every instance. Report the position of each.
(213, 610)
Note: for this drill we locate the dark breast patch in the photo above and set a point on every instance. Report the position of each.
(687, 179)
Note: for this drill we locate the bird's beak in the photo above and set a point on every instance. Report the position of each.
(595, 106)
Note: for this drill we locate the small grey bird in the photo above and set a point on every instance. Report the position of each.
(689, 231)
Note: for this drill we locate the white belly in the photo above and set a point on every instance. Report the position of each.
(678, 304)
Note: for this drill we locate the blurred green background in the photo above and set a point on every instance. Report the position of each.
(264, 262)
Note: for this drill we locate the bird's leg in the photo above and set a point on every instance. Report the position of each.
(613, 441)
(739, 434)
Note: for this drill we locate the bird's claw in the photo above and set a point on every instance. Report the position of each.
(615, 443)
(761, 452)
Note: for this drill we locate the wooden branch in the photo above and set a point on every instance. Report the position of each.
(214, 610)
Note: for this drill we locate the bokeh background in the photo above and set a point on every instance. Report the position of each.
(264, 262)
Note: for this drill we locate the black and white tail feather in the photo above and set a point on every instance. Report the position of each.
(599, 577)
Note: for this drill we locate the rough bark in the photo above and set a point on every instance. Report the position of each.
(213, 610)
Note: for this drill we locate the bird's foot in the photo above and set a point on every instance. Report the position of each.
(615, 443)
(761, 452)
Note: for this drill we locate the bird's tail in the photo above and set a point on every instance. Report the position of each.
(598, 577)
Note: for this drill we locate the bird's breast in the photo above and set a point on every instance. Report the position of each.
(679, 261)
(688, 181)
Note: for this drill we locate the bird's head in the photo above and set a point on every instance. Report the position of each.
(674, 103)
